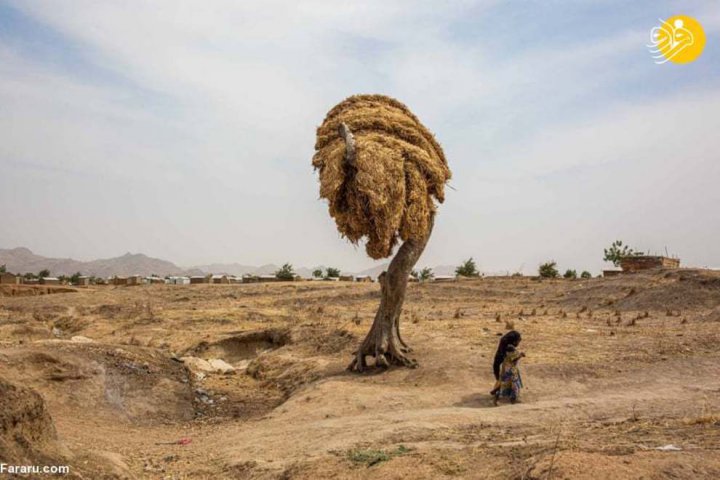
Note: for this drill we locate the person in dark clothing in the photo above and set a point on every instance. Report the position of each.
(513, 338)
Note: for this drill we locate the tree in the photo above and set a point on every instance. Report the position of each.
(332, 272)
(317, 273)
(286, 272)
(548, 270)
(571, 274)
(75, 278)
(468, 269)
(585, 274)
(616, 251)
(43, 273)
(29, 276)
(381, 187)
(3, 268)
(415, 274)
(426, 274)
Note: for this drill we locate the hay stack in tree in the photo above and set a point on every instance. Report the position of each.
(381, 171)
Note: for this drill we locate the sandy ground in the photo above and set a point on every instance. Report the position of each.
(615, 370)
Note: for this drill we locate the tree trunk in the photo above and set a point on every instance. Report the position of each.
(383, 341)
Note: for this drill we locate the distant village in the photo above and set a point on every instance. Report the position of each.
(627, 263)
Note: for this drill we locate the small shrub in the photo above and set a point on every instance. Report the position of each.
(570, 274)
(468, 269)
(548, 270)
(370, 457)
(585, 274)
(286, 272)
(332, 272)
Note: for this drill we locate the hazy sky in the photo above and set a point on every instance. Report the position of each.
(185, 130)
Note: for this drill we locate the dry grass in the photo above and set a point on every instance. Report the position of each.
(387, 194)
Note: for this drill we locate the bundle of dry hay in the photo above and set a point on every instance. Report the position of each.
(384, 189)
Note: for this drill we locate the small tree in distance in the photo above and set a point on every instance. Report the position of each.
(317, 273)
(468, 269)
(332, 272)
(571, 274)
(585, 274)
(286, 272)
(43, 273)
(3, 268)
(426, 274)
(616, 251)
(548, 270)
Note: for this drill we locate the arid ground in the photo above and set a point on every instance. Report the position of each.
(622, 380)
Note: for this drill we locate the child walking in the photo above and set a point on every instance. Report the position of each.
(510, 381)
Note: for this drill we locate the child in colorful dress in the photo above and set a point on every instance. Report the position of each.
(511, 338)
(510, 382)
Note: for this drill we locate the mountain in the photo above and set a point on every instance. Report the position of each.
(374, 271)
(236, 269)
(22, 260)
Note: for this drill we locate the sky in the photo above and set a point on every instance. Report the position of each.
(185, 130)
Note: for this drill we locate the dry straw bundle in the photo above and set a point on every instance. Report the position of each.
(384, 190)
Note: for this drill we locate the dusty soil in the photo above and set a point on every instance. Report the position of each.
(615, 369)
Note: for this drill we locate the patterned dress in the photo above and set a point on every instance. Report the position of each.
(510, 382)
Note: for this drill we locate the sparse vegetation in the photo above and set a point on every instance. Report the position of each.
(570, 274)
(285, 272)
(548, 270)
(426, 274)
(370, 457)
(468, 269)
(317, 273)
(3, 269)
(585, 274)
(616, 251)
(43, 273)
(332, 272)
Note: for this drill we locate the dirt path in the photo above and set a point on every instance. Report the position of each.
(413, 407)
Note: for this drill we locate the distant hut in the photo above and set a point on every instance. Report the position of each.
(637, 263)
(612, 273)
(179, 280)
(8, 278)
(444, 278)
(83, 281)
(198, 279)
(250, 279)
(49, 281)
(119, 281)
(364, 278)
(268, 278)
(347, 278)
(134, 280)
(220, 279)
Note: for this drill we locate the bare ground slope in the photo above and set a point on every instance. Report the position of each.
(615, 368)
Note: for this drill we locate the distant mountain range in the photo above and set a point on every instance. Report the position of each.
(22, 260)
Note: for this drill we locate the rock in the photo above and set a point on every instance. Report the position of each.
(81, 339)
(668, 448)
(242, 365)
(196, 364)
(221, 366)
(214, 365)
